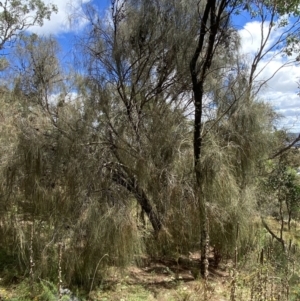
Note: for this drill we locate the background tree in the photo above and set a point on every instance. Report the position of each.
(18, 16)
(281, 191)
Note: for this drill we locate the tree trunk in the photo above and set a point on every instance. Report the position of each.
(210, 22)
(131, 185)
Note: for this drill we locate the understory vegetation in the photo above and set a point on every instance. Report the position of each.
(152, 160)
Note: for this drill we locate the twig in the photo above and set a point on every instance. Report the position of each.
(96, 272)
(59, 271)
(31, 273)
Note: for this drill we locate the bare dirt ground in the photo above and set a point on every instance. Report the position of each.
(165, 279)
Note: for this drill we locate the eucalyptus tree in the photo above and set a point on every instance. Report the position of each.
(282, 195)
(17, 16)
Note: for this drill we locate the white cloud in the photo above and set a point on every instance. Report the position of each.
(281, 88)
(69, 18)
(251, 36)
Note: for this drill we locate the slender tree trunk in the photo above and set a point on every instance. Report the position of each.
(210, 23)
(289, 220)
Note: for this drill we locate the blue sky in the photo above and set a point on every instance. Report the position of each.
(69, 21)
(280, 92)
